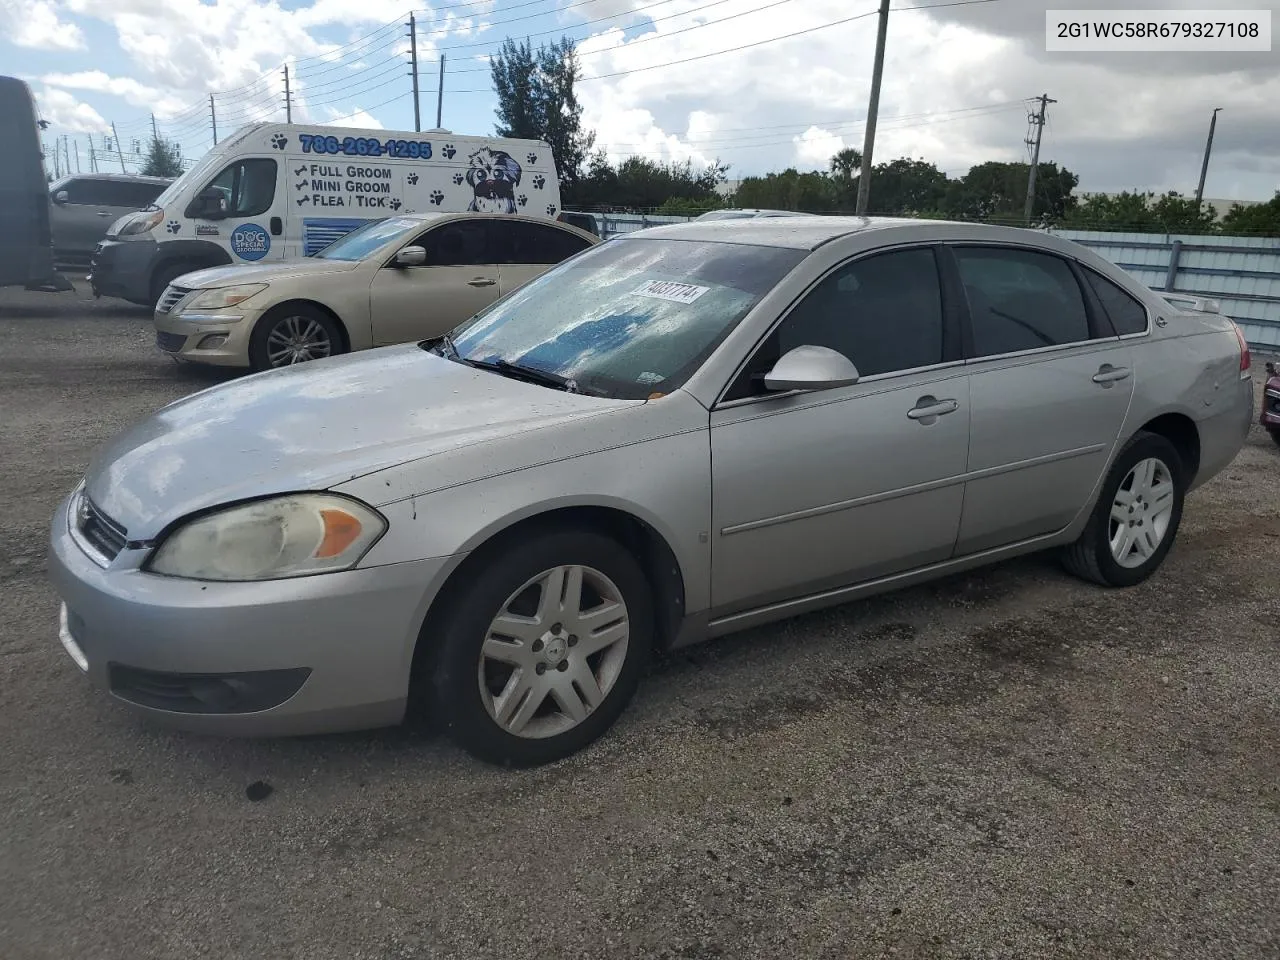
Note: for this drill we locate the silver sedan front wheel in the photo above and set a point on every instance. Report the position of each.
(1140, 512)
(539, 644)
(554, 652)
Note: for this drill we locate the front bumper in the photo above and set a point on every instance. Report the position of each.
(123, 269)
(219, 337)
(307, 655)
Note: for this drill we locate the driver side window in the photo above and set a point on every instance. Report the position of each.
(461, 243)
(249, 186)
(883, 312)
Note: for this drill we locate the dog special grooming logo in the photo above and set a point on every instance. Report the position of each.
(493, 176)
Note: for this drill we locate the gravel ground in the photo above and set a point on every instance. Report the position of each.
(1009, 764)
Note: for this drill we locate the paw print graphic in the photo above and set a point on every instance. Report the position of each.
(522, 199)
(458, 178)
(279, 141)
(396, 204)
(173, 226)
(413, 179)
(539, 182)
(448, 151)
(531, 157)
(551, 209)
(437, 197)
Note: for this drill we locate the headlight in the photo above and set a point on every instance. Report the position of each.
(291, 536)
(222, 297)
(140, 223)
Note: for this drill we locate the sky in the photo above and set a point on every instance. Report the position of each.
(758, 84)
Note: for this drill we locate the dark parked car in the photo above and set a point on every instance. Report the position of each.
(85, 205)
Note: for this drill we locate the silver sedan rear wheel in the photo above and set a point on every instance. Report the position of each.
(1140, 512)
(554, 651)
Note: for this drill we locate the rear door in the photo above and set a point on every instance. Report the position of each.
(1050, 385)
(458, 280)
(526, 250)
(82, 220)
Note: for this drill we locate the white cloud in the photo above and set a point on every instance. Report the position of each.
(131, 91)
(63, 110)
(815, 148)
(360, 120)
(36, 24)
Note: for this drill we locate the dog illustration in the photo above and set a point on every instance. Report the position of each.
(493, 176)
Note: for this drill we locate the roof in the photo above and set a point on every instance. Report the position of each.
(129, 177)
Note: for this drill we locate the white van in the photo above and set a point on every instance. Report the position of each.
(276, 191)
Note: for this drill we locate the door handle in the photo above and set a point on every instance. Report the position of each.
(927, 408)
(481, 282)
(1107, 374)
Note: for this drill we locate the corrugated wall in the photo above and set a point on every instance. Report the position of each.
(1241, 273)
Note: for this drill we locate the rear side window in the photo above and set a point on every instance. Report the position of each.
(533, 243)
(1020, 300)
(1127, 313)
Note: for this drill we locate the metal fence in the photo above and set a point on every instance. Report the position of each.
(1241, 273)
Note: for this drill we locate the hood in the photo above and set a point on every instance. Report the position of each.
(313, 426)
(265, 273)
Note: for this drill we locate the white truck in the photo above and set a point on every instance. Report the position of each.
(274, 191)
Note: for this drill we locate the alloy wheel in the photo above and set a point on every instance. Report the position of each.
(1140, 512)
(296, 340)
(554, 651)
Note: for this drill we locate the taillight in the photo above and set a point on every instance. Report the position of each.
(1245, 359)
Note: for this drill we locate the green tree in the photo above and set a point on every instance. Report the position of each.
(1120, 212)
(998, 191)
(164, 159)
(1257, 220)
(537, 100)
(906, 187)
(638, 183)
(1175, 213)
(790, 190)
(845, 170)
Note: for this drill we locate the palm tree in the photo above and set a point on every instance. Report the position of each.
(846, 165)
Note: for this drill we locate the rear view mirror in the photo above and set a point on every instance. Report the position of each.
(811, 368)
(410, 257)
(61, 196)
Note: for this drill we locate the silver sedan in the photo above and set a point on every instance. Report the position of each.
(670, 436)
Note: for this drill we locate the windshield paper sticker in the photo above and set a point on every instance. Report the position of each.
(670, 290)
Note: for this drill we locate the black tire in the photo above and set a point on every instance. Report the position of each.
(1090, 557)
(455, 679)
(305, 313)
(165, 276)
(1275, 434)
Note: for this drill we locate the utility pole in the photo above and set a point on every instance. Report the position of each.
(440, 95)
(77, 156)
(1037, 120)
(119, 147)
(155, 134)
(1204, 167)
(93, 158)
(66, 151)
(288, 100)
(413, 60)
(213, 120)
(873, 110)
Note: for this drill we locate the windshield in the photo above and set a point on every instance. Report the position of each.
(198, 172)
(364, 240)
(629, 318)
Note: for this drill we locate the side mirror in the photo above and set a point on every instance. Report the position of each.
(61, 196)
(209, 205)
(1271, 368)
(410, 257)
(811, 368)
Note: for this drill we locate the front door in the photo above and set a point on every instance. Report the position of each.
(1050, 387)
(252, 228)
(458, 280)
(820, 490)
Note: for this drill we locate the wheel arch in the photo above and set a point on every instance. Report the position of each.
(651, 548)
(276, 309)
(1180, 430)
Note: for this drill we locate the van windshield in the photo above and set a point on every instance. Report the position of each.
(364, 240)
